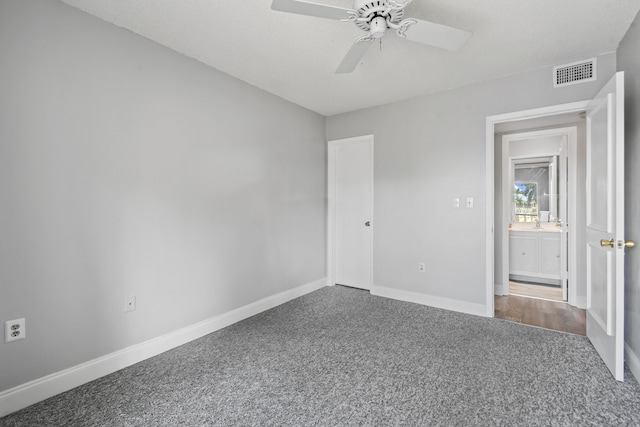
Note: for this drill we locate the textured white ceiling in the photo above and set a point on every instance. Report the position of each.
(295, 56)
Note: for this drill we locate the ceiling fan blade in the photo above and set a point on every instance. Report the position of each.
(355, 54)
(437, 35)
(310, 9)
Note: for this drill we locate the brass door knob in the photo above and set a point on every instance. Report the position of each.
(609, 243)
(621, 243)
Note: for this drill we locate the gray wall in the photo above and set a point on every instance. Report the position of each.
(629, 62)
(429, 150)
(128, 168)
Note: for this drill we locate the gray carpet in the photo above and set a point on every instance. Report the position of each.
(339, 356)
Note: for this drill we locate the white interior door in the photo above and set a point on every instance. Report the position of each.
(605, 224)
(351, 211)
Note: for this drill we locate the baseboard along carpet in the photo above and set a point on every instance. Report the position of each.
(340, 356)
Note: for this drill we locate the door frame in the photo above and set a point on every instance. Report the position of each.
(490, 122)
(571, 133)
(331, 146)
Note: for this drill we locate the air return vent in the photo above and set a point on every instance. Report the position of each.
(576, 72)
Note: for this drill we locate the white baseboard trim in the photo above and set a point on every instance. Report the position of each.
(37, 390)
(581, 302)
(633, 361)
(430, 300)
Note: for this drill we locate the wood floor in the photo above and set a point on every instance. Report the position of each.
(554, 315)
(539, 291)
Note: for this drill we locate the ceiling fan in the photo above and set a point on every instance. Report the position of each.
(376, 17)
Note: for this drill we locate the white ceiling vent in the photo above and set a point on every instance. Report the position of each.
(576, 72)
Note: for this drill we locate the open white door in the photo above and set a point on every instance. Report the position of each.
(605, 224)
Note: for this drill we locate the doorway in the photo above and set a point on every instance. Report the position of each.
(536, 239)
(350, 212)
(545, 313)
(538, 186)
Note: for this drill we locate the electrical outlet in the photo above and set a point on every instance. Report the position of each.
(422, 267)
(15, 330)
(130, 302)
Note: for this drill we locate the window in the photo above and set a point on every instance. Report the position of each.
(525, 195)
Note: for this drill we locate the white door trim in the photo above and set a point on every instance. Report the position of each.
(490, 181)
(331, 201)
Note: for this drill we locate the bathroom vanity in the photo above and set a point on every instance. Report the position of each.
(534, 254)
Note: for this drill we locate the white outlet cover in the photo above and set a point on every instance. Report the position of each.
(15, 330)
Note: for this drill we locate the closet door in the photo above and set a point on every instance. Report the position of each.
(351, 211)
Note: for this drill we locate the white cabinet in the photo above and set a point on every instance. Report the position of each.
(550, 254)
(534, 254)
(523, 253)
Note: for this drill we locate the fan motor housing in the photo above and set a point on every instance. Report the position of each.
(370, 9)
(378, 27)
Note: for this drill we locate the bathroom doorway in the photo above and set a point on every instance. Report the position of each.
(538, 206)
(535, 218)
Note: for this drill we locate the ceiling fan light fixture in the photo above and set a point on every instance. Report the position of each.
(378, 27)
(375, 17)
